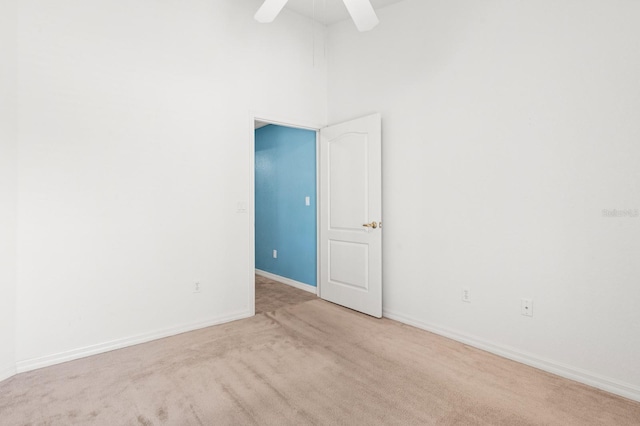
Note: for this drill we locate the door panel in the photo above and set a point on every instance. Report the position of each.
(354, 274)
(348, 176)
(351, 197)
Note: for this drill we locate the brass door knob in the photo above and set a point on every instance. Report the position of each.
(373, 225)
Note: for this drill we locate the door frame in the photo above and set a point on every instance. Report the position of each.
(286, 122)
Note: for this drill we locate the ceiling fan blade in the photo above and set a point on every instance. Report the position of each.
(269, 10)
(362, 14)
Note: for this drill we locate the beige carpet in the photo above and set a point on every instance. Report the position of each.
(272, 295)
(310, 363)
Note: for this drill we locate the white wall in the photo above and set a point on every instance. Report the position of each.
(8, 188)
(136, 142)
(507, 128)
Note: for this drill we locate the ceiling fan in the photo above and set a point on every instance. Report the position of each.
(361, 12)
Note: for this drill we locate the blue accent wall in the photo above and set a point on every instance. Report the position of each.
(285, 174)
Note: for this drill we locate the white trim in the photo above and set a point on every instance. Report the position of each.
(318, 212)
(45, 361)
(251, 217)
(7, 372)
(283, 121)
(287, 281)
(617, 387)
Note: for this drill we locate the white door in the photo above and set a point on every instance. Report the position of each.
(351, 214)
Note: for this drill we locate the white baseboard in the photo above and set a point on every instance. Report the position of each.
(45, 361)
(7, 371)
(617, 387)
(287, 281)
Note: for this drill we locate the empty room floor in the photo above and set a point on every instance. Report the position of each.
(304, 363)
(272, 295)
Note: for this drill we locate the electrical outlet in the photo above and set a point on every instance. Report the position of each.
(196, 287)
(275, 254)
(466, 294)
(526, 307)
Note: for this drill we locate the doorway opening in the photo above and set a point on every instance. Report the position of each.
(286, 215)
(348, 176)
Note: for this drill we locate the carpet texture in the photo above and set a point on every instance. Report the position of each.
(311, 363)
(272, 295)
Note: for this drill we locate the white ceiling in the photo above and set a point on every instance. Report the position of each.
(329, 12)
